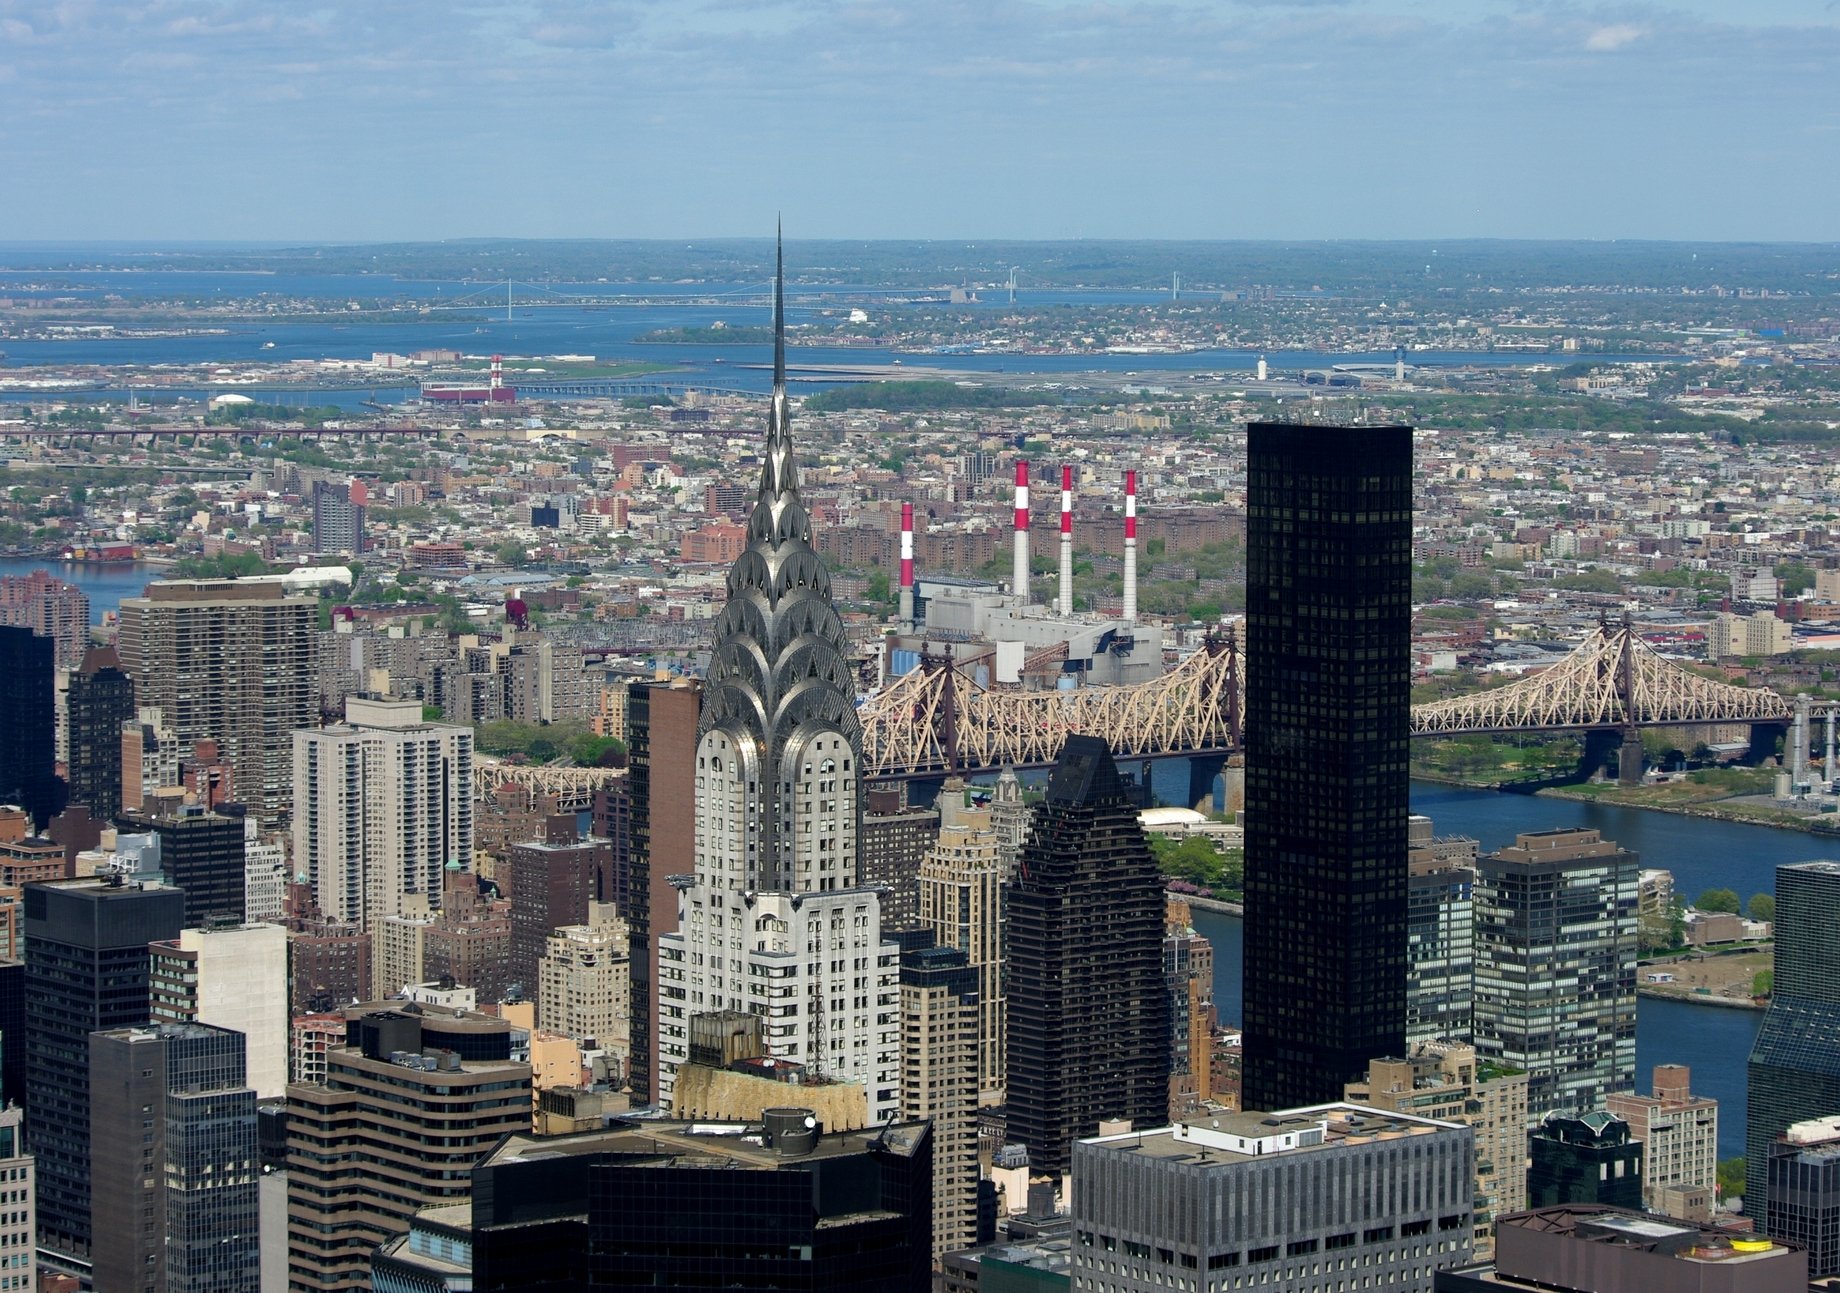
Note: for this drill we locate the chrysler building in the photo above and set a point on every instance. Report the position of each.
(774, 922)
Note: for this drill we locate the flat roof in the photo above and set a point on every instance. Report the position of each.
(710, 1144)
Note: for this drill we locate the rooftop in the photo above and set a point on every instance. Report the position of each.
(1229, 1138)
(739, 1145)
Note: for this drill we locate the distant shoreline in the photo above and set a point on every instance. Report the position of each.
(1208, 904)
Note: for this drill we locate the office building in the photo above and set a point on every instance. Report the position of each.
(13, 1030)
(1010, 817)
(409, 1105)
(99, 700)
(234, 977)
(1188, 979)
(86, 971)
(1440, 935)
(661, 731)
(382, 801)
(19, 1200)
(1804, 1192)
(775, 919)
(554, 881)
(201, 854)
(1332, 1197)
(781, 1203)
(173, 1161)
(1591, 1249)
(1328, 676)
(338, 518)
(1442, 1080)
(1795, 1061)
(1556, 966)
(961, 904)
(1584, 1158)
(231, 662)
(265, 876)
(28, 738)
(1679, 1132)
(435, 1256)
(584, 982)
(895, 838)
(1088, 1030)
(939, 1079)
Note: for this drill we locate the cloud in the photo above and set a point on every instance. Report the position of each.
(1615, 36)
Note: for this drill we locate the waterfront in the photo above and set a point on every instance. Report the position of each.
(1702, 854)
(106, 585)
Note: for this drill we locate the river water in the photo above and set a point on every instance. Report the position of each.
(106, 585)
(1713, 1041)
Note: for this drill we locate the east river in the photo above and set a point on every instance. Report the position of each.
(1703, 854)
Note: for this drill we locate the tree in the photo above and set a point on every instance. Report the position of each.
(1718, 900)
(1731, 1177)
(1762, 906)
(510, 553)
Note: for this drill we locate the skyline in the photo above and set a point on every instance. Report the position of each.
(157, 120)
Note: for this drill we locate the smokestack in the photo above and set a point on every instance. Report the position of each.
(1019, 579)
(1066, 540)
(498, 372)
(1262, 369)
(1130, 546)
(907, 567)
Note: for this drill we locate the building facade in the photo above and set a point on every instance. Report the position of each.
(231, 662)
(1584, 1158)
(775, 919)
(1328, 676)
(407, 1108)
(99, 700)
(961, 903)
(1442, 1080)
(1795, 1063)
(1679, 1132)
(584, 982)
(86, 971)
(939, 1081)
(382, 802)
(1440, 935)
(19, 1200)
(1332, 1198)
(1556, 966)
(1804, 1192)
(28, 738)
(173, 1161)
(231, 977)
(1088, 1027)
(896, 837)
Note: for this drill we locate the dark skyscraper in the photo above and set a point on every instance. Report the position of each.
(100, 700)
(1795, 1063)
(1328, 675)
(28, 736)
(86, 971)
(173, 1160)
(1088, 1015)
(202, 853)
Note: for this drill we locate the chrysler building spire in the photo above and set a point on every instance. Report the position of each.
(775, 922)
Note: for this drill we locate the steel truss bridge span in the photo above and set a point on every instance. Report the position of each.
(936, 720)
(1612, 681)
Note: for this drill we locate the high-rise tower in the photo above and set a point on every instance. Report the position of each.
(1328, 677)
(1088, 1031)
(774, 921)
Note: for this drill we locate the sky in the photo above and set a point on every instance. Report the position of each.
(388, 120)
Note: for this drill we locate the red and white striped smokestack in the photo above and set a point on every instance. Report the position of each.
(907, 567)
(1066, 607)
(498, 372)
(1019, 585)
(1130, 546)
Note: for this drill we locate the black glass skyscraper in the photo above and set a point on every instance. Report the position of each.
(86, 971)
(28, 736)
(100, 700)
(1795, 1062)
(1328, 675)
(1088, 1015)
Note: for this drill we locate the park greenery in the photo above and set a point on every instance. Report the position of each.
(547, 742)
(1196, 859)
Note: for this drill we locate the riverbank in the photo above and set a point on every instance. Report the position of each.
(1700, 998)
(1827, 825)
(1209, 904)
